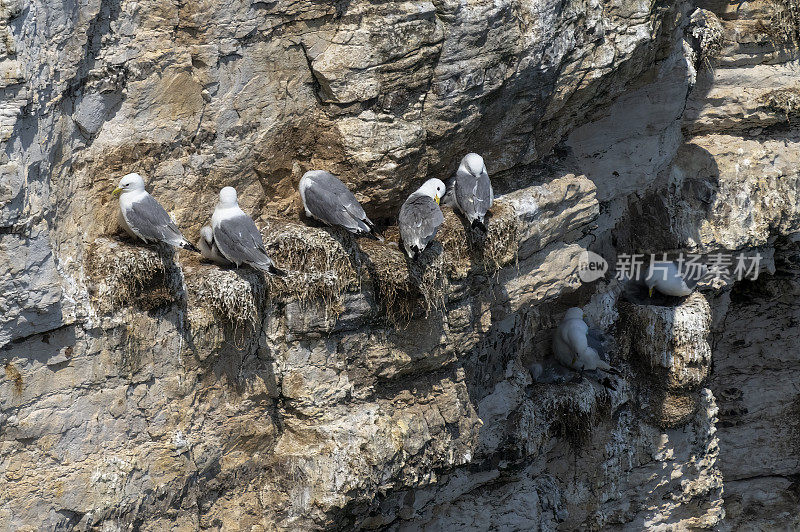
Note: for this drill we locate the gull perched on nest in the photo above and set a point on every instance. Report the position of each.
(420, 217)
(236, 236)
(143, 217)
(327, 199)
(571, 344)
(472, 190)
(666, 278)
(209, 249)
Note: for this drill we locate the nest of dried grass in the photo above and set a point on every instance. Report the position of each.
(236, 296)
(128, 274)
(783, 25)
(470, 249)
(500, 246)
(708, 32)
(321, 264)
(783, 101)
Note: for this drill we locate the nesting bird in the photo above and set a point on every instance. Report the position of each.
(666, 278)
(420, 217)
(236, 236)
(144, 218)
(209, 249)
(472, 190)
(571, 344)
(327, 199)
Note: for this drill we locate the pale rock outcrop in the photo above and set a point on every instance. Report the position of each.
(150, 391)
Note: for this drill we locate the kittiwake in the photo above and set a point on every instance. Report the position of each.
(571, 344)
(327, 199)
(420, 217)
(472, 190)
(143, 217)
(666, 277)
(237, 236)
(209, 249)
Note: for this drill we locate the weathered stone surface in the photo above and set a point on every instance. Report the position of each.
(144, 389)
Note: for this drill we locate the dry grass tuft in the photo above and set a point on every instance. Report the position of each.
(467, 249)
(125, 273)
(783, 25)
(784, 101)
(321, 264)
(236, 296)
(706, 28)
(500, 246)
(456, 240)
(388, 267)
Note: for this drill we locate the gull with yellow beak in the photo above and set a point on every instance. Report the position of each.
(144, 218)
(420, 217)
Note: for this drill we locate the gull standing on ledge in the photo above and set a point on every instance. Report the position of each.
(472, 190)
(328, 200)
(143, 217)
(420, 217)
(209, 249)
(237, 236)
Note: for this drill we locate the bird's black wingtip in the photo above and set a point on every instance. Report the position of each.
(479, 225)
(608, 383)
(190, 247)
(374, 235)
(274, 270)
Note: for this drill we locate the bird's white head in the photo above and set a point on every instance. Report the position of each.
(228, 197)
(473, 163)
(129, 183)
(574, 313)
(434, 188)
(207, 234)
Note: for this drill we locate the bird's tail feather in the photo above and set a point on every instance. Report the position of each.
(268, 267)
(274, 270)
(191, 247)
(608, 369)
(479, 224)
(371, 230)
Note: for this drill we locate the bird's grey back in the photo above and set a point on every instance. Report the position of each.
(420, 218)
(332, 202)
(239, 240)
(695, 277)
(148, 218)
(473, 194)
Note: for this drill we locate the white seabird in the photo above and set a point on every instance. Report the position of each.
(209, 249)
(327, 199)
(420, 217)
(666, 277)
(236, 235)
(571, 344)
(472, 190)
(144, 218)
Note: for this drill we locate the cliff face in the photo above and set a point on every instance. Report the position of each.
(154, 391)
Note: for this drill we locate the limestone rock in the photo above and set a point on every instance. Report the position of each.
(150, 391)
